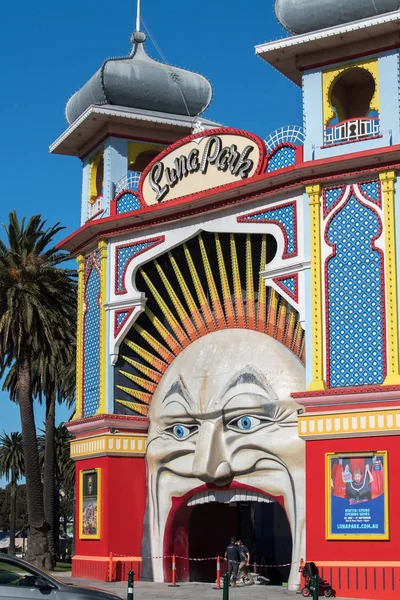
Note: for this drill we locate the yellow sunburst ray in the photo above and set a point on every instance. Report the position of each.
(176, 328)
(150, 386)
(262, 289)
(142, 396)
(250, 304)
(303, 350)
(226, 292)
(216, 303)
(142, 409)
(163, 331)
(202, 298)
(290, 330)
(237, 286)
(298, 338)
(182, 314)
(272, 312)
(150, 373)
(154, 361)
(155, 344)
(280, 331)
(194, 311)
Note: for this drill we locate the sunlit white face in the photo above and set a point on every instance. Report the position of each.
(222, 415)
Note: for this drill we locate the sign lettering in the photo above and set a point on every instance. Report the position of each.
(203, 162)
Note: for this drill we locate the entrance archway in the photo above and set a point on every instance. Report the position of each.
(204, 530)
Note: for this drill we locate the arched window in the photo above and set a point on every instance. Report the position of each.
(351, 94)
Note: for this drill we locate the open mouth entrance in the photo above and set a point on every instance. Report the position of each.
(204, 526)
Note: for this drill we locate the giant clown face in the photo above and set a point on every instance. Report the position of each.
(222, 418)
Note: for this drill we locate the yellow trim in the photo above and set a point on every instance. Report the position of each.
(344, 424)
(79, 337)
(102, 246)
(94, 165)
(329, 78)
(135, 149)
(97, 536)
(336, 536)
(108, 445)
(314, 193)
(388, 179)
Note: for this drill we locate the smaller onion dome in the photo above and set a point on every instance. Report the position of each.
(303, 16)
(138, 81)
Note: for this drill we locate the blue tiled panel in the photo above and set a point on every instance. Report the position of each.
(285, 216)
(284, 157)
(127, 203)
(354, 287)
(91, 385)
(372, 190)
(124, 255)
(331, 196)
(121, 317)
(290, 284)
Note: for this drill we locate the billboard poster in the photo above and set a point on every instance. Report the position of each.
(89, 504)
(357, 496)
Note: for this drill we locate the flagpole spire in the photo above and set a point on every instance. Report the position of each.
(138, 16)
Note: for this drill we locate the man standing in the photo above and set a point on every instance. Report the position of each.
(244, 569)
(232, 554)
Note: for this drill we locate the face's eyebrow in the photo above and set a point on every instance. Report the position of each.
(251, 376)
(179, 387)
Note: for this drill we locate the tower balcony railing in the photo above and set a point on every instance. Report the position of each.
(128, 182)
(96, 207)
(351, 130)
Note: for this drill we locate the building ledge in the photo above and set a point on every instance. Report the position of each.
(294, 54)
(106, 120)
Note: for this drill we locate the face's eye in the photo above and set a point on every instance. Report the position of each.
(245, 423)
(182, 432)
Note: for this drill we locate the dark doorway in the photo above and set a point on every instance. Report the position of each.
(263, 527)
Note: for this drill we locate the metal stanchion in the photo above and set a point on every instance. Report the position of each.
(173, 583)
(315, 587)
(110, 566)
(131, 578)
(225, 590)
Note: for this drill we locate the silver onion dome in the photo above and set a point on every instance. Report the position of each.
(303, 16)
(138, 81)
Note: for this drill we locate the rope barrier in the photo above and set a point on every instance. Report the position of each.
(217, 558)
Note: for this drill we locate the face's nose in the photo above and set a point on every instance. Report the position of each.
(210, 460)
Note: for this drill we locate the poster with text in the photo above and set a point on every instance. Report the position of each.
(89, 505)
(357, 497)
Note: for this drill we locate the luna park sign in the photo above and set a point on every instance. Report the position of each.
(202, 162)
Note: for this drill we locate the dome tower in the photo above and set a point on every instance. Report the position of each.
(123, 116)
(303, 16)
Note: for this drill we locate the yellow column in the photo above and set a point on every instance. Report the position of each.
(103, 327)
(318, 383)
(388, 179)
(79, 337)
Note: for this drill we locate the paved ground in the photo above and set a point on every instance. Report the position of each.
(186, 591)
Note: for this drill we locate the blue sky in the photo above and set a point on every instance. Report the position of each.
(49, 49)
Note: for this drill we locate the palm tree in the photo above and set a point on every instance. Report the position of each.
(64, 468)
(53, 379)
(12, 466)
(36, 297)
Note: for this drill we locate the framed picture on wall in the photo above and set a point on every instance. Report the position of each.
(89, 504)
(357, 496)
